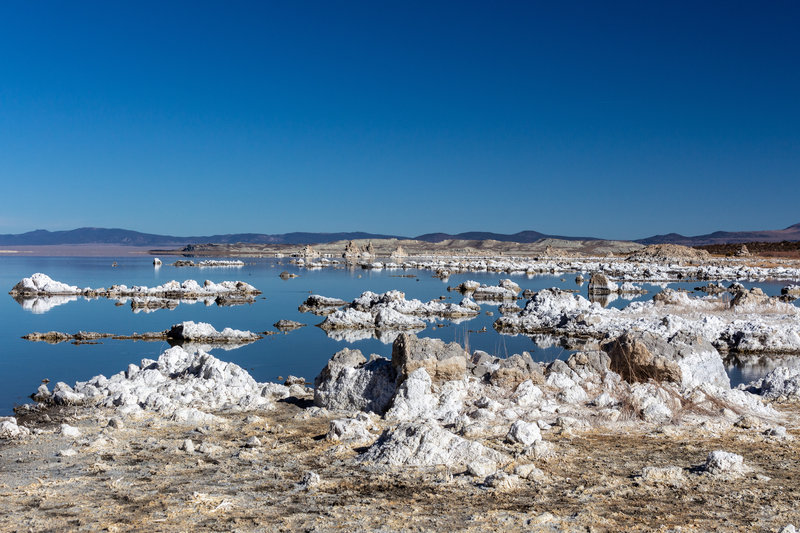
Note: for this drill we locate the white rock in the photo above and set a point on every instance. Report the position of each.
(527, 394)
(481, 468)
(672, 475)
(69, 431)
(10, 430)
(349, 430)
(725, 463)
(426, 444)
(502, 481)
(525, 433)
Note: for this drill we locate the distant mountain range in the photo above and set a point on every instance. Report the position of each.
(792, 233)
(134, 238)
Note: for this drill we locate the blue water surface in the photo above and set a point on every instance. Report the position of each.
(303, 352)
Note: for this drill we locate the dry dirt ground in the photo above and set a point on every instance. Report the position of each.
(138, 478)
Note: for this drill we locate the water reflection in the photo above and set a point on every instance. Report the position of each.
(603, 299)
(42, 304)
(386, 336)
(744, 368)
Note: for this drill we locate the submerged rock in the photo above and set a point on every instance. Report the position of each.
(287, 325)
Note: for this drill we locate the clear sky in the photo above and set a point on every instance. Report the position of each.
(608, 119)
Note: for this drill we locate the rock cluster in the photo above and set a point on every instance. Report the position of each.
(187, 387)
(751, 322)
(387, 312)
(179, 333)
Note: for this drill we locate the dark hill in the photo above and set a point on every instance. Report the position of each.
(792, 233)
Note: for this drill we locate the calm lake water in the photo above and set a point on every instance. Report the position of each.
(303, 352)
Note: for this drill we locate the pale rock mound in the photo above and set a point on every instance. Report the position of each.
(427, 444)
(684, 359)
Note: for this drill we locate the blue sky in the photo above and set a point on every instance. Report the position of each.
(609, 119)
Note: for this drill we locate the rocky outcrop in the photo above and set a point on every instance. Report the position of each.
(600, 284)
(443, 362)
(351, 251)
(668, 252)
(351, 383)
(187, 387)
(287, 325)
(9, 428)
(791, 290)
(399, 254)
(389, 311)
(684, 359)
(504, 290)
(42, 285)
(320, 305)
(781, 384)
(178, 333)
(308, 252)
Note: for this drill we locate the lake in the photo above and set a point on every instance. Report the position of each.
(303, 352)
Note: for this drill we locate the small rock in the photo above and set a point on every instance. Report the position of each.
(672, 475)
(525, 433)
(116, 423)
(310, 481)
(188, 446)
(481, 468)
(723, 463)
(69, 452)
(529, 471)
(252, 442)
(70, 431)
(502, 481)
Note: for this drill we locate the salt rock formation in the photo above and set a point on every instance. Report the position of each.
(181, 385)
(684, 359)
(443, 362)
(320, 305)
(399, 254)
(9, 429)
(351, 251)
(726, 464)
(203, 332)
(287, 325)
(42, 285)
(600, 284)
(782, 383)
(426, 444)
(308, 252)
(351, 383)
(504, 290)
(387, 311)
(756, 323)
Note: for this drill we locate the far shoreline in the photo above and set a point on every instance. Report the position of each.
(74, 250)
